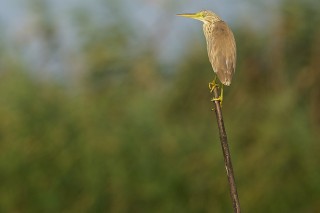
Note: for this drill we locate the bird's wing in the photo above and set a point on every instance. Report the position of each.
(222, 52)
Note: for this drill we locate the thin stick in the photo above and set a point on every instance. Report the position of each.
(226, 153)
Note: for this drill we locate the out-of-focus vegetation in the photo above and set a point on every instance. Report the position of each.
(119, 132)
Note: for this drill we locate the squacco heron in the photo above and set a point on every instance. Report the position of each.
(221, 47)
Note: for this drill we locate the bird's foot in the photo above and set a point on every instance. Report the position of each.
(212, 86)
(220, 99)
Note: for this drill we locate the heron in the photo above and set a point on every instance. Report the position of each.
(221, 47)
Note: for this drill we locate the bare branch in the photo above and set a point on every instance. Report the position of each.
(226, 153)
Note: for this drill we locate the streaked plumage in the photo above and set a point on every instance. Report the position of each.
(221, 45)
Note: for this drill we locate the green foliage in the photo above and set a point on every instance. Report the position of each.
(124, 137)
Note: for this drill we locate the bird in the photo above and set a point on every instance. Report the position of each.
(221, 47)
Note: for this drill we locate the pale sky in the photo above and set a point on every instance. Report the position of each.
(154, 19)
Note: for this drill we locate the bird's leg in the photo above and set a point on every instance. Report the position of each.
(213, 84)
(220, 98)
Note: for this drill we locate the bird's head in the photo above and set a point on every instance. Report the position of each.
(206, 16)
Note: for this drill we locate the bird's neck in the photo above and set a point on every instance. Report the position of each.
(212, 20)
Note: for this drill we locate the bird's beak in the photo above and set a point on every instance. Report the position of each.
(191, 15)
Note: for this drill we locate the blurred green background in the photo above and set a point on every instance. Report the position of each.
(104, 107)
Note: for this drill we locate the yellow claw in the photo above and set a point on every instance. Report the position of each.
(213, 85)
